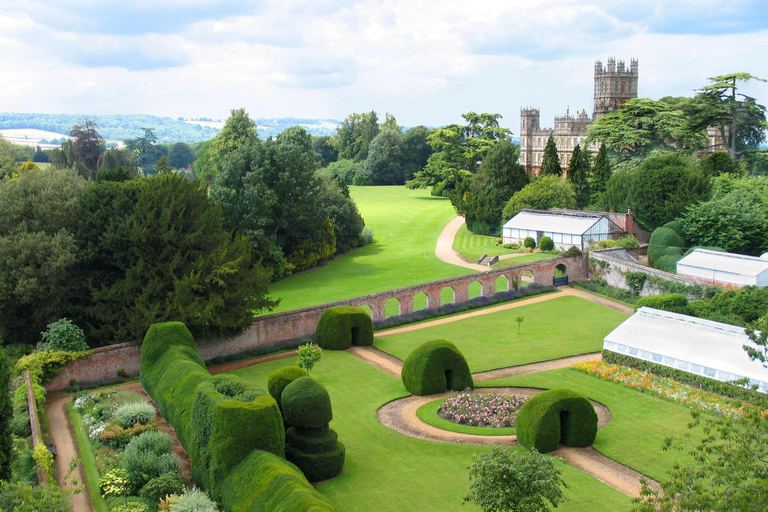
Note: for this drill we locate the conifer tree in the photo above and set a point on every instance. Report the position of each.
(550, 165)
(601, 171)
(578, 168)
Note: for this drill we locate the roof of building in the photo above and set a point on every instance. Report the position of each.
(556, 221)
(725, 262)
(689, 339)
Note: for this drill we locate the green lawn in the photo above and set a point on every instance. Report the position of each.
(519, 260)
(560, 327)
(89, 459)
(473, 246)
(389, 472)
(406, 225)
(639, 423)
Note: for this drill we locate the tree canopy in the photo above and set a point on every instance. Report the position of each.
(550, 163)
(578, 176)
(541, 194)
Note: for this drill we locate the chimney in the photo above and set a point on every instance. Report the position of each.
(629, 224)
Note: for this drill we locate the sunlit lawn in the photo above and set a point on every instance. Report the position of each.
(560, 327)
(389, 472)
(406, 225)
(473, 246)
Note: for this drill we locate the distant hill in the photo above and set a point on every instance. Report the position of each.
(118, 127)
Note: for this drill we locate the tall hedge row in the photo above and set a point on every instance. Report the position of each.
(435, 366)
(341, 327)
(674, 302)
(556, 416)
(224, 424)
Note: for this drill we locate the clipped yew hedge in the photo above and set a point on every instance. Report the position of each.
(556, 416)
(435, 366)
(224, 424)
(341, 327)
(306, 403)
(674, 302)
(280, 378)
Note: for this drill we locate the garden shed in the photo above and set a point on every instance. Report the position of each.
(725, 268)
(564, 227)
(689, 344)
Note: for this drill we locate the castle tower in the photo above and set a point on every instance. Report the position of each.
(529, 125)
(614, 86)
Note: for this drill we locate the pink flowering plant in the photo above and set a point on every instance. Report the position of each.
(488, 410)
(664, 387)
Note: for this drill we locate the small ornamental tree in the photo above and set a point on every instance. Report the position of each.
(509, 480)
(63, 335)
(309, 356)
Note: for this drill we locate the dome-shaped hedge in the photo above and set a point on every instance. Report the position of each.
(306, 403)
(343, 326)
(556, 416)
(280, 378)
(435, 366)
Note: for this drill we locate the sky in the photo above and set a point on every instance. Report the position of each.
(424, 61)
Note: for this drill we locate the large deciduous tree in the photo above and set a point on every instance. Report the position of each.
(384, 164)
(550, 163)
(739, 119)
(664, 186)
(88, 146)
(355, 135)
(114, 158)
(181, 156)
(541, 194)
(144, 150)
(510, 480)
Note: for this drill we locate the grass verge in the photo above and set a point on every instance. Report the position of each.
(428, 413)
(89, 459)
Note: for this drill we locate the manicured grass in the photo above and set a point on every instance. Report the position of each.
(519, 260)
(89, 459)
(560, 327)
(428, 413)
(389, 472)
(473, 246)
(406, 225)
(639, 423)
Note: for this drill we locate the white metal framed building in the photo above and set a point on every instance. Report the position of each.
(725, 268)
(694, 345)
(564, 227)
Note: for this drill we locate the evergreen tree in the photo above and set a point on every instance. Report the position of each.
(6, 413)
(550, 165)
(601, 171)
(578, 168)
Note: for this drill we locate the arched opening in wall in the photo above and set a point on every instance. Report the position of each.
(561, 271)
(392, 307)
(446, 296)
(419, 301)
(502, 284)
(475, 289)
(526, 278)
(366, 308)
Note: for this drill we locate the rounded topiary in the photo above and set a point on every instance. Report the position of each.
(279, 379)
(318, 466)
(306, 403)
(556, 416)
(435, 366)
(529, 242)
(661, 239)
(546, 244)
(343, 326)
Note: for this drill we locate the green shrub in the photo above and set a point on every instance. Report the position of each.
(343, 326)
(546, 244)
(435, 366)
(677, 227)
(529, 242)
(107, 459)
(556, 416)
(131, 507)
(141, 458)
(572, 252)
(306, 403)
(41, 498)
(49, 364)
(318, 466)
(628, 242)
(673, 302)
(135, 412)
(263, 481)
(279, 379)
(64, 336)
(117, 437)
(160, 487)
(662, 239)
(20, 426)
(194, 500)
(312, 440)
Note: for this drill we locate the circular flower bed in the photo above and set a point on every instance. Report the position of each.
(493, 410)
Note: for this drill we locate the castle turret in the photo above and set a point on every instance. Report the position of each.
(614, 86)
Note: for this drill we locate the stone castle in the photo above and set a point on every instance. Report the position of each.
(614, 86)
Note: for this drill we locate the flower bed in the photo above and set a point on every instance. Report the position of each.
(664, 387)
(490, 411)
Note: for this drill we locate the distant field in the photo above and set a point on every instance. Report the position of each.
(406, 225)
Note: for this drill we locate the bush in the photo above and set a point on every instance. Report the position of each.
(48, 363)
(673, 302)
(628, 242)
(366, 236)
(194, 500)
(529, 242)
(343, 326)
(263, 481)
(142, 456)
(663, 239)
(117, 437)
(135, 412)
(40, 498)
(63, 335)
(546, 244)
(572, 252)
(306, 403)
(435, 366)
(279, 379)
(541, 424)
(20, 426)
(131, 507)
(160, 487)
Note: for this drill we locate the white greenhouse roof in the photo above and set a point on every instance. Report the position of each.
(725, 262)
(691, 344)
(553, 222)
